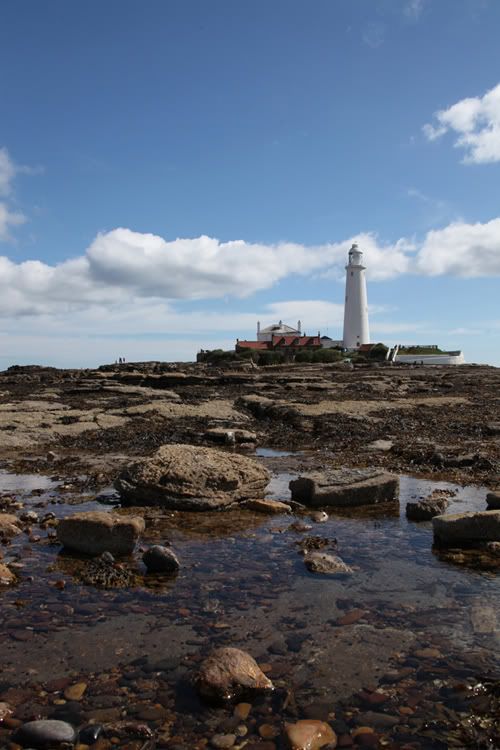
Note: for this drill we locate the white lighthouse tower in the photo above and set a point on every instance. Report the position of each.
(356, 330)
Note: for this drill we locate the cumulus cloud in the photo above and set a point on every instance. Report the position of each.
(413, 9)
(475, 121)
(122, 266)
(460, 249)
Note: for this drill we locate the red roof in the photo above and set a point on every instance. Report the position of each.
(253, 344)
(281, 342)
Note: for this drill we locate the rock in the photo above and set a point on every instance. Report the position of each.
(319, 516)
(7, 577)
(187, 477)
(75, 692)
(467, 528)
(322, 562)
(345, 487)
(268, 506)
(493, 500)
(95, 532)
(228, 673)
(493, 428)
(160, 559)
(9, 526)
(90, 734)
(230, 436)
(45, 733)
(5, 711)
(380, 445)
(425, 510)
(29, 517)
(223, 740)
(310, 734)
(242, 710)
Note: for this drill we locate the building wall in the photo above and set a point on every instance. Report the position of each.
(453, 358)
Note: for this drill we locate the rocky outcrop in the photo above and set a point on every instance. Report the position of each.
(187, 477)
(229, 673)
(467, 528)
(310, 734)
(345, 487)
(9, 526)
(323, 562)
(95, 532)
(159, 559)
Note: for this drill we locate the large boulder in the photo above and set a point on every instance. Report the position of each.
(230, 673)
(95, 532)
(345, 487)
(188, 477)
(426, 510)
(467, 528)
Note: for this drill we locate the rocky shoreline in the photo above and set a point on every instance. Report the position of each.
(114, 599)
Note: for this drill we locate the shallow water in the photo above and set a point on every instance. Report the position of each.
(244, 583)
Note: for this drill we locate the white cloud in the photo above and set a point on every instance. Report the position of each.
(374, 34)
(8, 220)
(460, 249)
(475, 121)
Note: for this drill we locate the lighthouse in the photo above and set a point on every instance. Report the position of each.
(356, 330)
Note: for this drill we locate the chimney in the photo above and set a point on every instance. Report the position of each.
(258, 327)
(298, 326)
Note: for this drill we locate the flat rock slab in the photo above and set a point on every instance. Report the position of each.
(467, 528)
(95, 532)
(345, 487)
(188, 477)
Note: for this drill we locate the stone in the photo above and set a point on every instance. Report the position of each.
(380, 445)
(484, 618)
(95, 532)
(310, 734)
(75, 692)
(493, 500)
(319, 516)
(188, 477)
(467, 528)
(9, 526)
(323, 562)
(7, 577)
(90, 734)
(230, 436)
(425, 510)
(242, 710)
(268, 506)
(5, 711)
(223, 740)
(45, 733)
(159, 559)
(345, 487)
(228, 673)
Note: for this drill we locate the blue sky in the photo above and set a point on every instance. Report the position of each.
(173, 171)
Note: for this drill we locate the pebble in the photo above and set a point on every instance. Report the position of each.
(428, 653)
(309, 734)
(223, 740)
(45, 732)
(5, 711)
(90, 734)
(75, 692)
(242, 710)
(268, 732)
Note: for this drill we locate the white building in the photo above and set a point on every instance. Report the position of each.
(278, 329)
(356, 329)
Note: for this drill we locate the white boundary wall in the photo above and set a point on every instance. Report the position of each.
(452, 358)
